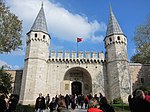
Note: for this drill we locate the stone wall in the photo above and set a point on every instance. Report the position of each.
(59, 75)
(140, 75)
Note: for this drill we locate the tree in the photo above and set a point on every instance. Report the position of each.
(142, 42)
(10, 30)
(5, 81)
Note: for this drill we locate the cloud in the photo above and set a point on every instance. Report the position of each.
(16, 67)
(96, 39)
(17, 52)
(54, 47)
(62, 24)
(2, 63)
(8, 66)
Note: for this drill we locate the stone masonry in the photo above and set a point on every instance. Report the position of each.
(91, 72)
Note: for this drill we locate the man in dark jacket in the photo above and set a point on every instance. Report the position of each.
(52, 105)
(2, 104)
(139, 103)
(105, 106)
(40, 103)
(13, 101)
(47, 99)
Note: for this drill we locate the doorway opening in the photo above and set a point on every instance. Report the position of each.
(76, 88)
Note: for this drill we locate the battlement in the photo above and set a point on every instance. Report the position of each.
(115, 39)
(37, 36)
(67, 56)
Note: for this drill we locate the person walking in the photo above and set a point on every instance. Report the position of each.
(13, 101)
(82, 100)
(86, 100)
(40, 103)
(73, 104)
(67, 100)
(94, 106)
(52, 105)
(62, 105)
(139, 103)
(47, 99)
(2, 104)
(105, 106)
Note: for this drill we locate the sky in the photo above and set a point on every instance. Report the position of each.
(69, 19)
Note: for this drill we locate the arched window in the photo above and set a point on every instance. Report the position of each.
(118, 37)
(35, 34)
(110, 39)
(43, 36)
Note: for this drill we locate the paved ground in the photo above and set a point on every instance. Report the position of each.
(79, 110)
(76, 110)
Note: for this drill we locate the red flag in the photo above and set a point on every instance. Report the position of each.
(79, 39)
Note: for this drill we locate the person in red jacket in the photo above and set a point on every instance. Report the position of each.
(86, 100)
(93, 106)
(147, 96)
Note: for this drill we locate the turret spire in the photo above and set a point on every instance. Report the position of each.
(40, 22)
(113, 26)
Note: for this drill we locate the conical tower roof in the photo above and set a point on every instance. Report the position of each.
(113, 26)
(40, 22)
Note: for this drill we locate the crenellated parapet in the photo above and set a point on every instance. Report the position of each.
(115, 39)
(38, 36)
(73, 57)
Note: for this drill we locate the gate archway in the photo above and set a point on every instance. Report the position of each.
(78, 78)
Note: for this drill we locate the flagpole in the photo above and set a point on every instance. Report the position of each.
(78, 40)
(77, 49)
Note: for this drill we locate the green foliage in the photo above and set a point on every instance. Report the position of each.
(138, 58)
(121, 107)
(145, 88)
(117, 100)
(25, 108)
(5, 81)
(10, 30)
(142, 42)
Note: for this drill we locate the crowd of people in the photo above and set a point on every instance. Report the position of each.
(8, 105)
(62, 103)
(139, 101)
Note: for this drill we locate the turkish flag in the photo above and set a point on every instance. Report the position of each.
(79, 39)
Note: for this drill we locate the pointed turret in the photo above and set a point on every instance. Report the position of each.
(113, 26)
(117, 60)
(37, 54)
(40, 22)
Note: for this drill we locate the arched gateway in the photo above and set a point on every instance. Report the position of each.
(78, 81)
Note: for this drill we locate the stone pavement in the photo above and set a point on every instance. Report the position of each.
(76, 110)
